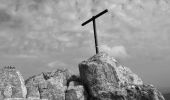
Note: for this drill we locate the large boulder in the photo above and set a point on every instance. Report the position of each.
(49, 85)
(11, 83)
(106, 79)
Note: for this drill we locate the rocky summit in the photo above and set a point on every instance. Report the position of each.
(101, 78)
(106, 79)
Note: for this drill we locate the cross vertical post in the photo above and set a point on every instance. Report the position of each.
(95, 36)
(94, 27)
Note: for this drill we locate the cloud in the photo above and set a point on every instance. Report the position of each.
(21, 56)
(63, 38)
(57, 64)
(119, 52)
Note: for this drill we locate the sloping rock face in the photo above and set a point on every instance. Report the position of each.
(50, 85)
(106, 79)
(11, 83)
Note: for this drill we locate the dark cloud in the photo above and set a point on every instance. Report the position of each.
(4, 17)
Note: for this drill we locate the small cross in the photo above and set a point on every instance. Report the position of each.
(94, 27)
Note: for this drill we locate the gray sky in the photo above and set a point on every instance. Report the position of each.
(41, 35)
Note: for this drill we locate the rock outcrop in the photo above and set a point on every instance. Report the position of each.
(101, 78)
(50, 85)
(11, 83)
(106, 79)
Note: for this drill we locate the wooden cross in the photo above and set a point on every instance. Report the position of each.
(94, 27)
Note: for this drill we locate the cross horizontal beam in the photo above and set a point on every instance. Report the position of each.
(94, 17)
